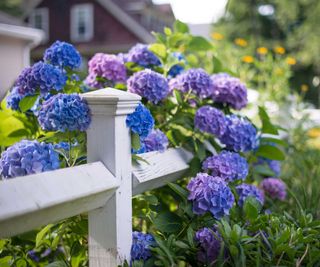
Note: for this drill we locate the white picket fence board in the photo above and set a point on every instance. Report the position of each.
(32, 201)
(161, 168)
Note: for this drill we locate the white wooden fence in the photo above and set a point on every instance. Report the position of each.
(103, 187)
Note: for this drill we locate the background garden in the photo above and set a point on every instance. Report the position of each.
(237, 101)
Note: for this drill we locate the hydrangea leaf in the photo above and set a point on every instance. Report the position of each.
(168, 222)
(270, 152)
(267, 126)
(135, 141)
(159, 50)
(199, 43)
(251, 208)
(180, 27)
(27, 102)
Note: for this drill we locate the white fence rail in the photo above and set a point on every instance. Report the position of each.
(103, 188)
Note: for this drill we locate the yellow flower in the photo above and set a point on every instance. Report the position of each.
(279, 71)
(291, 61)
(248, 59)
(279, 50)
(314, 133)
(262, 50)
(217, 36)
(241, 42)
(304, 88)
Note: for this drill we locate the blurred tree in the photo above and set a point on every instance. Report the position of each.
(292, 24)
(12, 7)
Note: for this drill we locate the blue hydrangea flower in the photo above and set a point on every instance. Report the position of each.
(141, 243)
(141, 55)
(14, 98)
(107, 67)
(28, 157)
(178, 68)
(210, 120)
(240, 134)
(63, 112)
(156, 141)
(228, 165)
(41, 76)
(209, 193)
(140, 121)
(249, 190)
(195, 80)
(63, 55)
(229, 90)
(274, 165)
(210, 245)
(33, 256)
(149, 84)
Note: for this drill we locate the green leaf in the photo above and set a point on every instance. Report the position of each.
(267, 126)
(41, 235)
(270, 152)
(179, 26)
(178, 96)
(167, 31)
(274, 140)
(199, 43)
(263, 170)
(217, 65)
(251, 208)
(137, 158)
(135, 141)
(57, 264)
(159, 50)
(168, 222)
(179, 190)
(152, 200)
(19, 133)
(27, 102)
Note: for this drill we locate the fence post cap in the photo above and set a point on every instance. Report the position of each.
(111, 101)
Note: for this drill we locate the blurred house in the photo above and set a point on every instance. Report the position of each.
(16, 41)
(93, 26)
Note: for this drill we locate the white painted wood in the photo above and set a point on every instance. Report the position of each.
(35, 200)
(108, 140)
(161, 168)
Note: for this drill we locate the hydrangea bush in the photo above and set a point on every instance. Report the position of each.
(220, 212)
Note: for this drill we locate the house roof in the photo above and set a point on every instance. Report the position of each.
(123, 17)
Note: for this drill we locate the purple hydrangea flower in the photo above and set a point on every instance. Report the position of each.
(195, 80)
(249, 190)
(64, 112)
(229, 90)
(33, 256)
(141, 55)
(140, 121)
(228, 165)
(156, 141)
(63, 54)
(209, 193)
(123, 57)
(149, 84)
(210, 120)
(13, 99)
(178, 68)
(41, 76)
(28, 157)
(274, 165)
(240, 134)
(141, 243)
(108, 67)
(210, 245)
(275, 188)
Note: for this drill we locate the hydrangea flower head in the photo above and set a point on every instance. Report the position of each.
(13, 99)
(63, 54)
(210, 120)
(195, 80)
(41, 76)
(140, 121)
(228, 165)
(149, 84)
(28, 157)
(210, 245)
(229, 90)
(108, 67)
(209, 193)
(178, 68)
(64, 112)
(240, 134)
(141, 55)
(248, 190)
(141, 243)
(156, 141)
(275, 188)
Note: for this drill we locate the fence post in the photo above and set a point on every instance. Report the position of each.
(108, 141)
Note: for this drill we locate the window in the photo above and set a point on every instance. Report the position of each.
(39, 19)
(82, 22)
